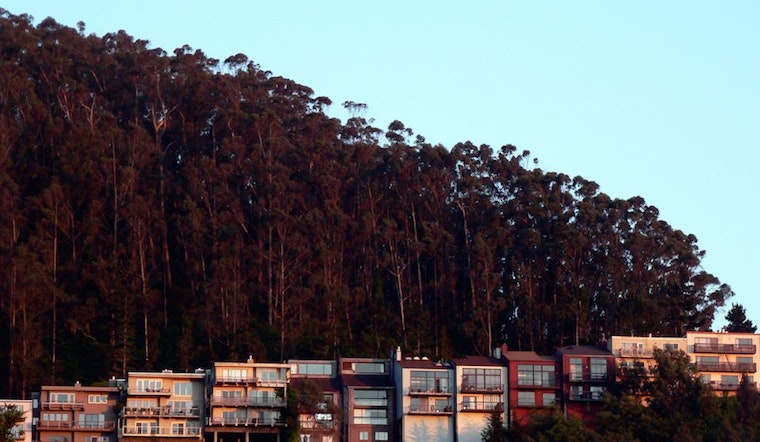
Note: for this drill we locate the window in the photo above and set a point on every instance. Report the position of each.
(149, 385)
(597, 392)
(268, 374)
(705, 378)
(307, 438)
(671, 347)
(535, 374)
(368, 367)
(142, 427)
(481, 379)
(381, 435)
(141, 403)
(526, 399)
(230, 416)
(744, 342)
(729, 380)
(470, 403)
(97, 399)
(180, 407)
(178, 428)
(313, 368)
(92, 420)
(370, 416)
(183, 389)
(234, 374)
(364, 435)
(55, 417)
(576, 392)
(744, 359)
(58, 439)
(62, 398)
(632, 349)
(706, 340)
(431, 381)
(549, 399)
(371, 398)
(598, 368)
(576, 369)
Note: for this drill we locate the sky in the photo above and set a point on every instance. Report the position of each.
(650, 98)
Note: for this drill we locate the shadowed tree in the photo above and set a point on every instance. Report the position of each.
(738, 321)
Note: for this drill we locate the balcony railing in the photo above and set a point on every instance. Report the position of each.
(248, 401)
(150, 391)
(724, 348)
(732, 367)
(161, 431)
(717, 385)
(317, 425)
(587, 376)
(236, 380)
(63, 405)
(162, 412)
(481, 406)
(481, 388)
(431, 391)
(635, 352)
(594, 396)
(69, 425)
(430, 410)
(243, 422)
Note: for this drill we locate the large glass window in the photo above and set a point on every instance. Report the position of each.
(576, 369)
(92, 420)
(149, 385)
(370, 398)
(598, 368)
(535, 374)
(481, 379)
(429, 381)
(314, 368)
(549, 399)
(526, 398)
(183, 389)
(371, 416)
(62, 398)
(368, 367)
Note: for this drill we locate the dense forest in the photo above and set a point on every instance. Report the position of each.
(166, 210)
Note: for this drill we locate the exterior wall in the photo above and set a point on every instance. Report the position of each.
(584, 383)
(323, 424)
(368, 399)
(542, 384)
(164, 405)
(476, 400)
(724, 358)
(22, 432)
(247, 398)
(632, 350)
(77, 414)
(425, 400)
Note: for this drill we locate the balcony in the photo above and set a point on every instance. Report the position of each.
(635, 352)
(162, 431)
(317, 425)
(161, 412)
(227, 380)
(430, 410)
(481, 388)
(724, 348)
(82, 426)
(243, 422)
(731, 367)
(591, 396)
(481, 407)
(274, 402)
(429, 391)
(63, 406)
(150, 391)
(720, 386)
(587, 376)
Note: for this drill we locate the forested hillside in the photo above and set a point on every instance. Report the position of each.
(166, 210)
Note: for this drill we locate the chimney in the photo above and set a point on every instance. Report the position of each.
(398, 353)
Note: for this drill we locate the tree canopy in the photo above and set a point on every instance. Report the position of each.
(169, 210)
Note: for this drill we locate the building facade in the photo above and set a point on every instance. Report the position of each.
(164, 406)
(480, 391)
(76, 413)
(534, 385)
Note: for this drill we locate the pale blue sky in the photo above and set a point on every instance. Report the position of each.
(653, 98)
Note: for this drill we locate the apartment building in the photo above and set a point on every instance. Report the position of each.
(164, 406)
(480, 391)
(247, 401)
(587, 372)
(425, 398)
(724, 358)
(368, 406)
(319, 397)
(76, 413)
(534, 385)
(22, 431)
